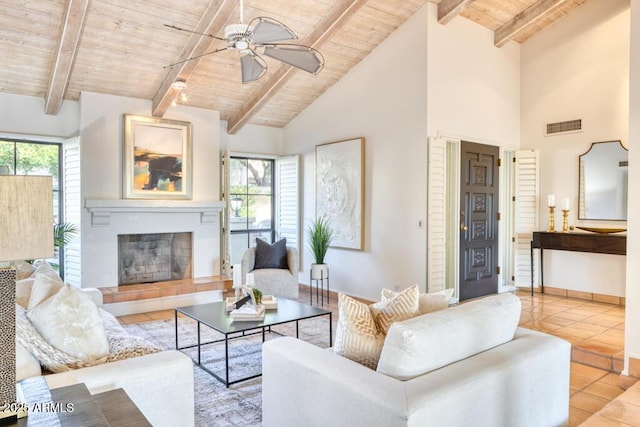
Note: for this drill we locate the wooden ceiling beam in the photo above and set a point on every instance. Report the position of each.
(449, 9)
(330, 24)
(524, 19)
(70, 30)
(212, 22)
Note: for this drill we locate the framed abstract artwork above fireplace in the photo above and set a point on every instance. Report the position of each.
(157, 160)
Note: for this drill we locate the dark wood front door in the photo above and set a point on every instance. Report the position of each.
(478, 220)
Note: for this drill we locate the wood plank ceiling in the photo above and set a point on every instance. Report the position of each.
(57, 49)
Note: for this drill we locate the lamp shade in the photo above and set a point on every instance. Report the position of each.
(26, 217)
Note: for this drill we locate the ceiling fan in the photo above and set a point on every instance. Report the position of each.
(261, 35)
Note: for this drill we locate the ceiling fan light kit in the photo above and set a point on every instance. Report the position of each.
(262, 34)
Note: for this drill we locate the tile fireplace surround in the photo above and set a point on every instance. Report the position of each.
(107, 219)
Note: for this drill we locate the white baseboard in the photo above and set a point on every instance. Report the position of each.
(163, 303)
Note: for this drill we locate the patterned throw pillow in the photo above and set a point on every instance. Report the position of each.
(399, 307)
(357, 337)
(271, 256)
(429, 302)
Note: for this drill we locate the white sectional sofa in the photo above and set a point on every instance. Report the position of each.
(479, 371)
(160, 384)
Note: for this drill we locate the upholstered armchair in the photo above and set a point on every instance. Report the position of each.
(281, 282)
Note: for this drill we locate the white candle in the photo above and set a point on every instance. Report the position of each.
(250, 279)
(237, 276)
(551, 202)
(566, 204)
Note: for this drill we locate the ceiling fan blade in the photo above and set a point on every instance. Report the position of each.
(303, 57)
(268, 30)
(253, 67)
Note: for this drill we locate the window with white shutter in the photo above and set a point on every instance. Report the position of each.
(287, 205)
(527, 193)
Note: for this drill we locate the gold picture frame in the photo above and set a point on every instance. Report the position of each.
(157, 158)
(340, 190)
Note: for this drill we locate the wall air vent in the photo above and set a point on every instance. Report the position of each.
(560, 128)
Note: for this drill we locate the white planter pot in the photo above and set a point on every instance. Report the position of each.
(319, 271)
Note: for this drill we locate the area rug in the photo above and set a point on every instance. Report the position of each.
(240, 404)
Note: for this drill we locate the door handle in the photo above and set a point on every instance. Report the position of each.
(463, 227)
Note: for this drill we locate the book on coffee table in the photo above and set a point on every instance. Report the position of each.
(248, 313)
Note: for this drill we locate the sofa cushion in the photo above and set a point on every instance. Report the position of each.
(428, 302)
(401, 306)
(357, 337)
(430, 341)
(44, 286)
(71, 322)
(271, 255)
(27, 366)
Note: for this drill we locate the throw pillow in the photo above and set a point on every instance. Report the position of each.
(23, 269)
(44, 286)
(429, 302)
(71, 322)
(357, 337)
(23, 291)
(401, 306)
(271, 256)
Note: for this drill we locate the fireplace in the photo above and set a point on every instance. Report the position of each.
(154, 257)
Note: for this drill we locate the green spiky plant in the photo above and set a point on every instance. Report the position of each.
(257, 294)
(63, 234)
(320, 235)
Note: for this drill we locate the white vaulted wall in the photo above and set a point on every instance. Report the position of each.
(577, 69)
(392, 99)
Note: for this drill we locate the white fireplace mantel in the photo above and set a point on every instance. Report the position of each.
(102, 209)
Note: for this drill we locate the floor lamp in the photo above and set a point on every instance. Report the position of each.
(26, 232)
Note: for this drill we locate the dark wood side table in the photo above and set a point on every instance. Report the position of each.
(576, 242)
(74, 406)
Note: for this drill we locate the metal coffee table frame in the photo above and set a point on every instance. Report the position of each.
(215, 316)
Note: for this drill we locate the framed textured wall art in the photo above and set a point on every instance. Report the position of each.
(340, 190)
(157, 158)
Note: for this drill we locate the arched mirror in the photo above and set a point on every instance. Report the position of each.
(603, 181)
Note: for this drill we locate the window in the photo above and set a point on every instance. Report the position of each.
(35, 158)
(251, 203)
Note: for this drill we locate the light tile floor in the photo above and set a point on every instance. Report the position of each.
(589, 325)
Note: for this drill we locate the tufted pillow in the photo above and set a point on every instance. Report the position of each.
(428, 342)
(71, 322)
(401, 306)
(357, 337)
(428, 302)
(271, 256)
(44, 286)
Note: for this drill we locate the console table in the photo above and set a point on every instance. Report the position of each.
(577, 242)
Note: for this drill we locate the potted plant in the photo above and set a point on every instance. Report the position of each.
(320, 236)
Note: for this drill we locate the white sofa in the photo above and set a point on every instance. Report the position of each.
(521, 382)
(160, 384)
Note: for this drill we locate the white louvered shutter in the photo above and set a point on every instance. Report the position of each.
(437, 215)
(287, 200)
(72, 208)
(225, 230)
(527, 193)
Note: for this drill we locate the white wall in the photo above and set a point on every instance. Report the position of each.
(20, 114)
(577, 69)
(632, 321)
(474, 87)
(385, 99)
(101, 142)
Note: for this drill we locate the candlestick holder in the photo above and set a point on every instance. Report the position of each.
(565, 220)
(552, 211)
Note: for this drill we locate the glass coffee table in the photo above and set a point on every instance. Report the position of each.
(215, 316)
